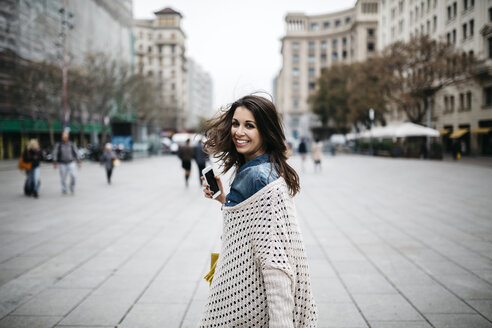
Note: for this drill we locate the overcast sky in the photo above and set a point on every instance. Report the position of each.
(237, 41)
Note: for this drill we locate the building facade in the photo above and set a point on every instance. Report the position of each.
(463, 111)
(160, 47)
(200, 91)
(314, 42)
(38, 31)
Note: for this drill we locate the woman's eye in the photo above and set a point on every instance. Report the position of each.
(250, 126)
(235, 124)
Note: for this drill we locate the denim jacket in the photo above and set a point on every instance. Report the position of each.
(250, 178)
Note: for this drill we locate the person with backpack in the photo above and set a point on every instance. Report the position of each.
(32, 157)
(65, 156)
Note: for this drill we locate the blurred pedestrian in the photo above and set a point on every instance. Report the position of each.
(32, 155)
(262, 268)
(317, 154)
(108, 159)
(186, 153)
(302, 149)
(65, 156)
(201, 158)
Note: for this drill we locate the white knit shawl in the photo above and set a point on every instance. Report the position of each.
(261, 235)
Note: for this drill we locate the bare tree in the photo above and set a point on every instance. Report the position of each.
(417, 70)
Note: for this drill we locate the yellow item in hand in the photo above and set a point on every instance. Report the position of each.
(214, 257)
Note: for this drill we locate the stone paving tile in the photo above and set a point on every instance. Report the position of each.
(53, 302)
(399, 324)
(154, 316)
(458, 321)
(363, 283)
(435, 299)
(339, 315)
(14, 321)
(484, 307)
(467, 286)
(386, 307)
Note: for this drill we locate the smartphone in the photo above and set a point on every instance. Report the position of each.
(208, 173)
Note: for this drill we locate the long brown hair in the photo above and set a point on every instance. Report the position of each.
(219, 139)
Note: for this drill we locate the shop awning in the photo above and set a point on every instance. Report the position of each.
(481, 130)
(458, 133)
(443, 132)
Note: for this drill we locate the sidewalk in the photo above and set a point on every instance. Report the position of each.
(392, 243)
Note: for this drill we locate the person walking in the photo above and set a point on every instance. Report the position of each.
(186, 153)
(201, 158)
(108, 159)
(65, 156)
(32, 155)
(317, 154)
(302, 149)
(262, 276)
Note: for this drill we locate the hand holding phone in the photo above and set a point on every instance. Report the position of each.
(208, 174)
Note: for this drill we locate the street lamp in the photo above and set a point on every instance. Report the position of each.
(371, 119)
(66, 23)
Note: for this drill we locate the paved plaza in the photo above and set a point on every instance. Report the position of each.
(392, 243)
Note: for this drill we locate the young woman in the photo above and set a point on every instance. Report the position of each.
(261, 278)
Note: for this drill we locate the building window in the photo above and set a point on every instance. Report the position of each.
(370, 46)
(370, 32)
(344, 41)
(334, 56)
(326, 25)
(344, 54)
(464, 32)
(347, 20)
(314, 26)
(472, 28)
(451, 104)
(337, 23)
(334, 43)
(487, 96)
(295, 103)
(311, 72)
(446, 104)
(311, 59)
(490, 14)
(295, 58)
(323, 58)
(323, 44)
(462, 102)
(149, 49)
(448, 37)
(149, 36)
(449, 13)
(295, 72)
(295, 85)
(370, 8)
(434, 24)
(468, 100)
(455, 9)
(465, 4)
(454, 36)
(311, 45)
(295, 46)
(311, 86)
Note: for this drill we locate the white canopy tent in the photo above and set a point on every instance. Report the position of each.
(400, 131)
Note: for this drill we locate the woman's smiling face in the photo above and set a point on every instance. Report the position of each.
(245, 134)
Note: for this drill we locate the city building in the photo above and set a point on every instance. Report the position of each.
(61, 33)
(314, 42)
(160, 47)
(200, 91)
(463, 111)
